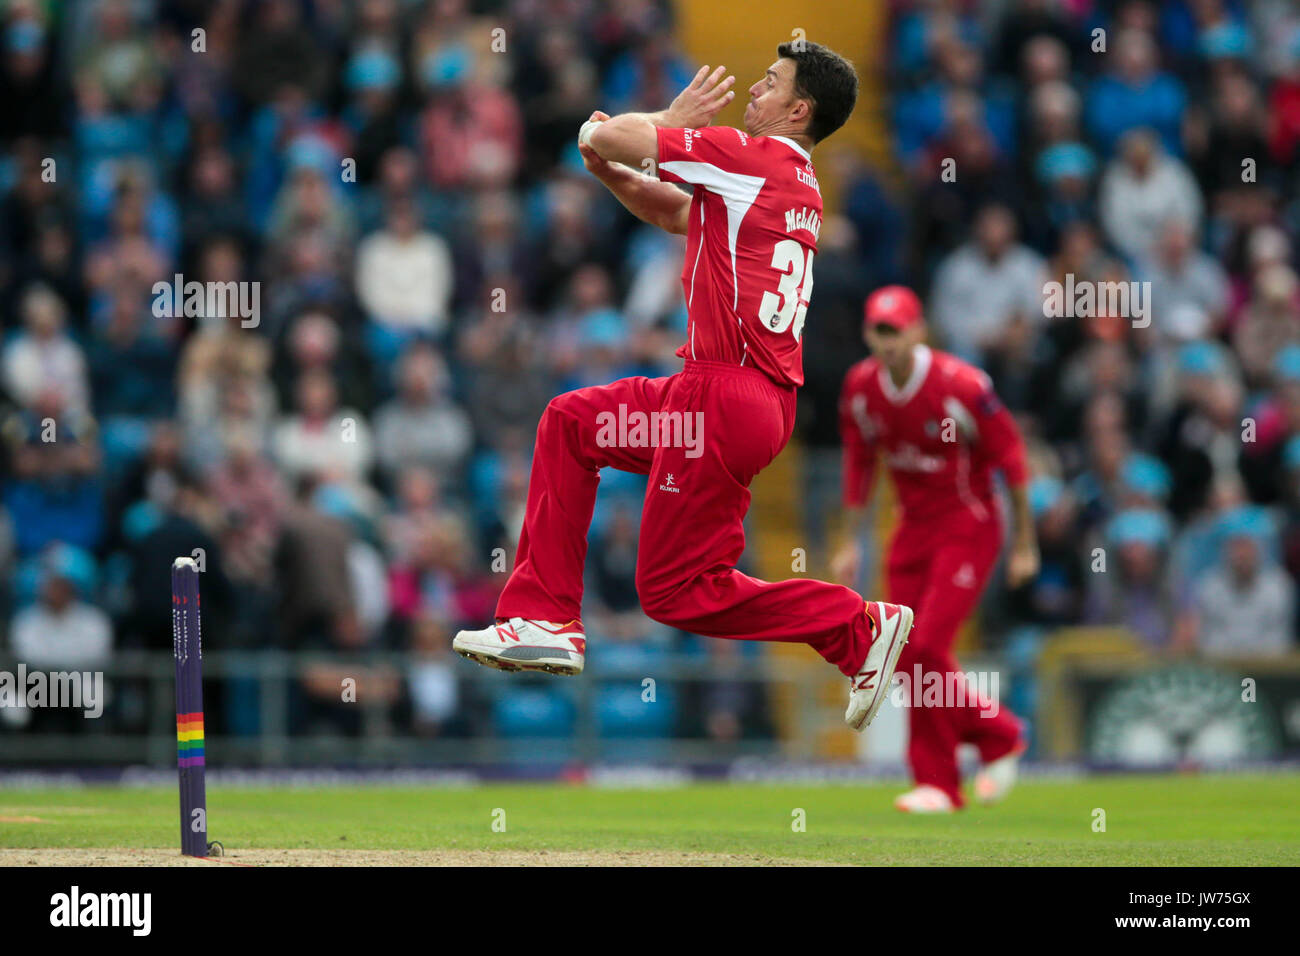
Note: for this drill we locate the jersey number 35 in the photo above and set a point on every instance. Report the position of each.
(785, 308)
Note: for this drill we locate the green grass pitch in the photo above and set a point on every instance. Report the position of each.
(1209, 820)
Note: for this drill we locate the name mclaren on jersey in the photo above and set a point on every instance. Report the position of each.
(804, 218)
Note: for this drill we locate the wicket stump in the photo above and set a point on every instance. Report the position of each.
(187, 647)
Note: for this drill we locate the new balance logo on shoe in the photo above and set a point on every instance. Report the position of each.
(889, 625)
(522, 645)
(864, 679)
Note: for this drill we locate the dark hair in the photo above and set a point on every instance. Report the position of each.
(824, 78)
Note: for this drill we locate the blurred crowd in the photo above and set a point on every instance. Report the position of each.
(432, 264)
(398, 181)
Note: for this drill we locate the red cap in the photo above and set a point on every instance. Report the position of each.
(895, 305)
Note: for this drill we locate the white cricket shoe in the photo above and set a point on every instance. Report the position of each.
(997, 778)
(924, 799)
(520, 645)
(868, 687)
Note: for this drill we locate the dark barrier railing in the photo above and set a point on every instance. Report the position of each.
(271, 682)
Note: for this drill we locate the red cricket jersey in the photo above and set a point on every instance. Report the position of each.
(747, 275)
(943, 434)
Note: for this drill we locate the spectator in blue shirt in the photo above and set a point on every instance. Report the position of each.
(1136, 93)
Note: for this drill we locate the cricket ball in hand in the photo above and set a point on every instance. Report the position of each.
(589, 127)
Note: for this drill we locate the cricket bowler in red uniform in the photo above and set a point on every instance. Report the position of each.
(942, 432)
(751, 219)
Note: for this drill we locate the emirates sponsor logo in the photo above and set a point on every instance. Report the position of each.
(911, 458)
(808, 178)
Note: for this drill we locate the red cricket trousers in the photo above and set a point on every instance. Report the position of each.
(691, 533)
(939, 569)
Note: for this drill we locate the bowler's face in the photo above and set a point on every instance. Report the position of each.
(771, 98)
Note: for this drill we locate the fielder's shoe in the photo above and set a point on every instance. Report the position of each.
(924, 799)
(891, 623)
(997, 778)
(519, 645)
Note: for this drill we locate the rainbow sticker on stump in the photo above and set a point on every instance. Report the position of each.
(189, 740)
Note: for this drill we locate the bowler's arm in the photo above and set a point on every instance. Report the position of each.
(658, 203)
(631, 138)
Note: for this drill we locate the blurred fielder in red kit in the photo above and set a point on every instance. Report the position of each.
(943, 433)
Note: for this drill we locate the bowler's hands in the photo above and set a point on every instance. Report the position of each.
(702, 99)
(590, 158)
